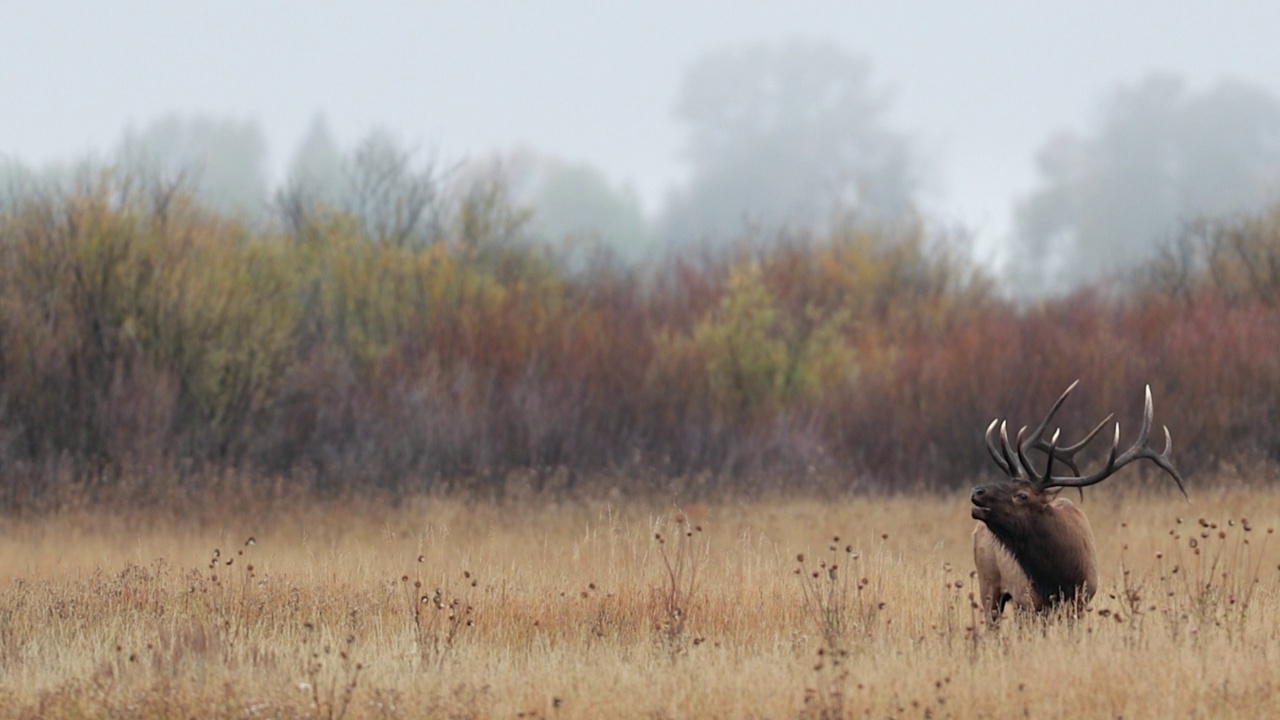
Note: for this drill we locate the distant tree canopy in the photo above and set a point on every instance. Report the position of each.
(577, 202)
(223, 159)
(570, 203)
(316, 168)
(1161, 155)
(786, 136)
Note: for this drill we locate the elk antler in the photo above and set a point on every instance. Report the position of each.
(1138, 451)
(1012, 462)
(1001, 458)
(1065, 454)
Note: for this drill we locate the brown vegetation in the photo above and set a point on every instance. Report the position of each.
(145, 340)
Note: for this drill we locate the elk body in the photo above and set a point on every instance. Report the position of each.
(1031, 547)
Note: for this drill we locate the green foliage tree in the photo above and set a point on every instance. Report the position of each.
(121, 310)
(745, 342)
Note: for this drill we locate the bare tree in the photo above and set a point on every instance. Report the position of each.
(394, 197)
(394, 200)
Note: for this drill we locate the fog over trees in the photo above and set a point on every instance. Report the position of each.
(578, 203)
(786, 135)
(390, 189)
(224, 160)
(779, 136)
(316, 168)
(1160, 156)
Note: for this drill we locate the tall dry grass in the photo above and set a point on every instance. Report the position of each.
(443, 608)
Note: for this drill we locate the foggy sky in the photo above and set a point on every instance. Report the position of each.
(978, 86)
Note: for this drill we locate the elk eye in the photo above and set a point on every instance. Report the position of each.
(1021, 496)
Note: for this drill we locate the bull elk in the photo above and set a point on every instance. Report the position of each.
(1032, 547)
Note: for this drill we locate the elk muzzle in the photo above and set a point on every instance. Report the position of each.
(979, 497)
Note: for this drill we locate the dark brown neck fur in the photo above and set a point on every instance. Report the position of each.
(1051, 551)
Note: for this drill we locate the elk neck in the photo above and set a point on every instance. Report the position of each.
(1054, 547)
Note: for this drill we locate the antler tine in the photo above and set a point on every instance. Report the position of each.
(1024, 462)
(1140, 450)
(991, 448)
(1036, 435)
(1012, 459)
(1053, 444)
(1092, 434)
(1166, 463)
(1049, 447)
(1065, 454)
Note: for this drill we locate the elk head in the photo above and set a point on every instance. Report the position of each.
(1031, 546)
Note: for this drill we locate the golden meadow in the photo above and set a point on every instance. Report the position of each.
(306, 472)
(785, 608)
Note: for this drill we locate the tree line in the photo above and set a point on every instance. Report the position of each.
(142, 331)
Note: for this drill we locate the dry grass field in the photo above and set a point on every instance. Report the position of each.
(446, 609)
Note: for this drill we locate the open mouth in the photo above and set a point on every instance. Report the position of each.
(978, 512)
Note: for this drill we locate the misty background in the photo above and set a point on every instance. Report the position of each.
(1062, 141)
